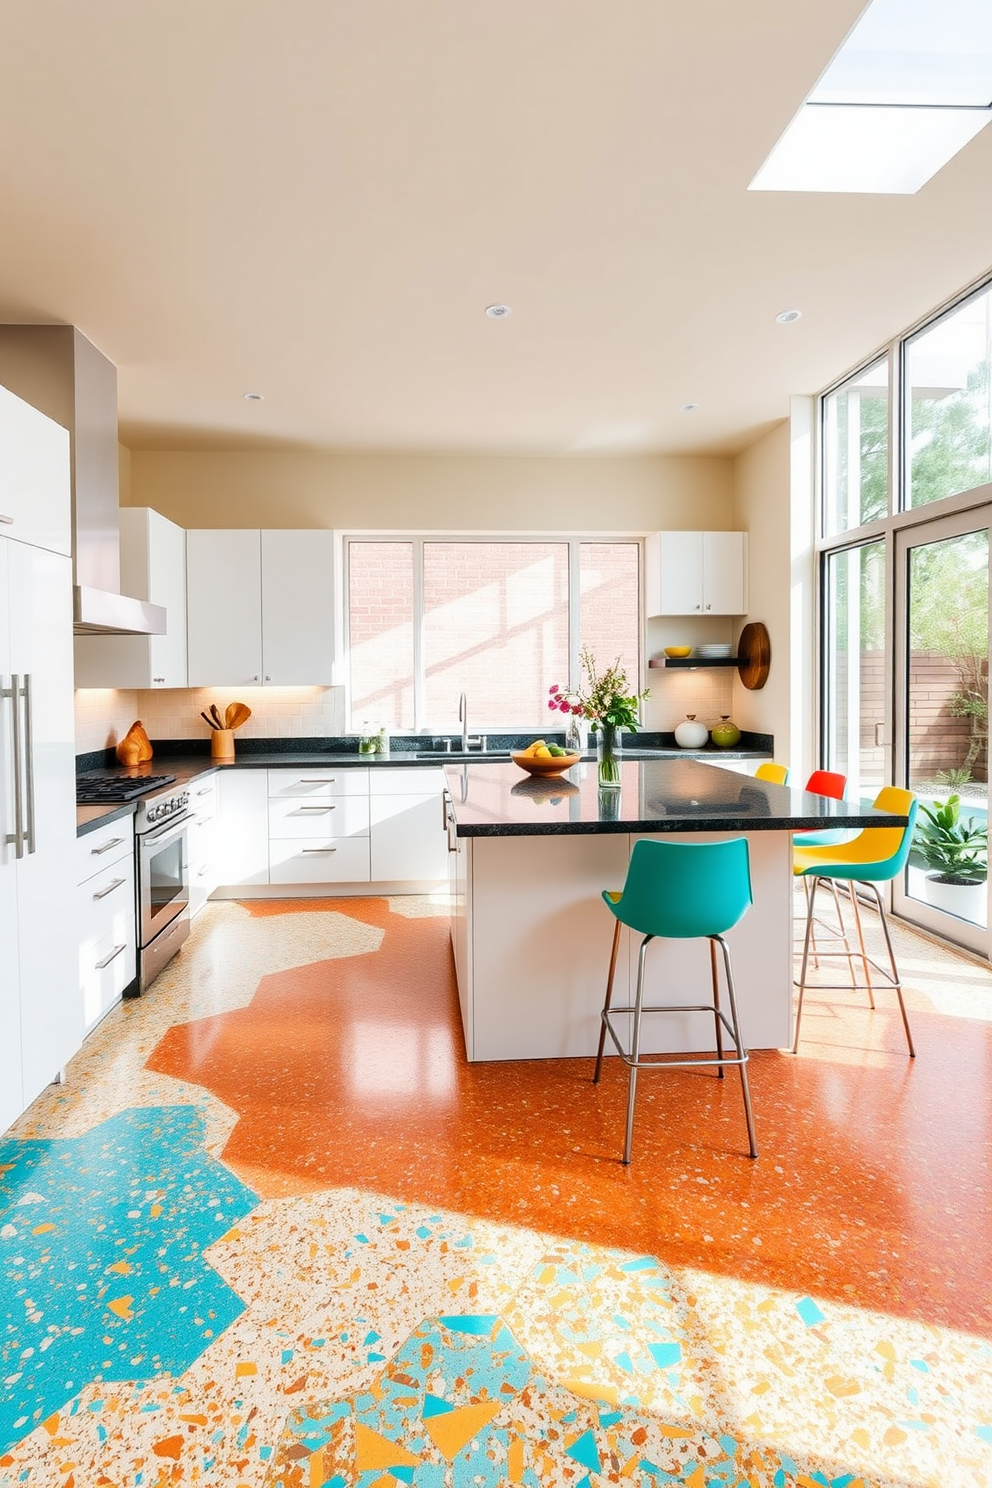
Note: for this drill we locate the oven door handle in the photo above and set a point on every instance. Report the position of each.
(173, 828)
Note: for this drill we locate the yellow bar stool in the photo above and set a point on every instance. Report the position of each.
(877, 855)
(679, 891)
(775, 774)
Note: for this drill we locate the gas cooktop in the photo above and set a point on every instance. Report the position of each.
(95, 790)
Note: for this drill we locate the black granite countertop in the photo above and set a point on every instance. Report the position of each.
(88, 818)
(656, 795)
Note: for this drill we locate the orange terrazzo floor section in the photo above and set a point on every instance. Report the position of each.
(873, 1185)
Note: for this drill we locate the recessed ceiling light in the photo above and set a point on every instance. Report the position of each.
(254, 397)
(497, 312)
(688, 407)
(786, 317)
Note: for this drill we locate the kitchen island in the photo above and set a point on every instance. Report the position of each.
(531, 938)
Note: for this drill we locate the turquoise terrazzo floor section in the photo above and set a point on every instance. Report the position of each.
(101, 1242)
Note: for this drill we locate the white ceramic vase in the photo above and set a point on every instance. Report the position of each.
(690, 734)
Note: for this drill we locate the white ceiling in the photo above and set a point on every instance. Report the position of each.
(316, 199)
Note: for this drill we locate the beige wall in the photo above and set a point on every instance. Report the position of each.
(762, 507)
(432, 492)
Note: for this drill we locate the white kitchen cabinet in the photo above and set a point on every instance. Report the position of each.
(243, 857)
(39, 987)
(34, 464)
(407, 826)
(260, 608)
(203, 838)
(105, 919)
(297, 608)
(224, 608)
(696, 573)
(153, 567)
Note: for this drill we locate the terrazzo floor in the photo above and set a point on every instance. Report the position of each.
(275, 1231)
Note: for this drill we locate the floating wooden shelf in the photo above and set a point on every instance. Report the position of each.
(753, 659)
(693, 661)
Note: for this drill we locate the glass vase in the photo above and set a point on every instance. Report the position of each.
(608, 756)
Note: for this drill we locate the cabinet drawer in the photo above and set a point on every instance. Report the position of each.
(106, 966)
(106, 845)
(203, 796)
(412, 781)
(340, 860)
(201, 837)
(327, 817)
(318, 781)
(106, 894)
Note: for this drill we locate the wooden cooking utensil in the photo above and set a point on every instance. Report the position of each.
(210, 721)
(215, 714)
(237, 714)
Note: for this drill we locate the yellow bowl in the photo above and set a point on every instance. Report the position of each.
(678, 650)
(553, 766)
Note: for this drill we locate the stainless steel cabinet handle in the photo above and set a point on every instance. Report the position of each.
(318, 849)
(320, 810)
(317, 780)
(30, 836)
(158, 679)
(16, 837)
(112, 957)
(7, 521)
(267, 677)
(102, 893)
(114, 842)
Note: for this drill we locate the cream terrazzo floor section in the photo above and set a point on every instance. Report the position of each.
(646, 1370)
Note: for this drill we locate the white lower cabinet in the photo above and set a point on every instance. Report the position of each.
(204, 843)
(325, 826)
(407, 825)
(243, 857)
(105, 917)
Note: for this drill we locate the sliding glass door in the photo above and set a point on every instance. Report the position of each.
(941, 718)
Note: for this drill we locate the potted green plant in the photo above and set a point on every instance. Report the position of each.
(955, 852)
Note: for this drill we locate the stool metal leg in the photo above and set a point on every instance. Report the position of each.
(716, 1009)
(802, 975)
(741, 1051)
(635, 1050)
(895, 972)
(606, 1004)
(852, 889)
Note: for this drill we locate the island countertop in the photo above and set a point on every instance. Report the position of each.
(669, 795)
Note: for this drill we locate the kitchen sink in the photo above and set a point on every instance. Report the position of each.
(461, 756)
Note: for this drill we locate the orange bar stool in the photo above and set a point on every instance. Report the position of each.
(775, 774)
(877, 855)
(679, 891)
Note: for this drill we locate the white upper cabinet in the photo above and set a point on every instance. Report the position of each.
(153, 567)
(297, 608)
(260, 608)
(34, 476)
(224, 607)
(696, 573)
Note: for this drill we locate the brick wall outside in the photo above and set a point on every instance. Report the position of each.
(938, 739)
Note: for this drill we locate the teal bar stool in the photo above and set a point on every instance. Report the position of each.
(679, 891)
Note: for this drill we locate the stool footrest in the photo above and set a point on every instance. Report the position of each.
(740, 1057)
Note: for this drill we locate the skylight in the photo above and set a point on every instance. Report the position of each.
(910, 86)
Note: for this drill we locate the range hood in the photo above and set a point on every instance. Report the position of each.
(57, 370)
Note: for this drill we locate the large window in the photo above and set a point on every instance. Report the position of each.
(856, 451)
(949, 403)
(500, 620)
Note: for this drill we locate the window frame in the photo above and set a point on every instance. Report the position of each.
(418, 539)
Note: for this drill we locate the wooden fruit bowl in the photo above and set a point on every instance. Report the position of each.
(553, 766)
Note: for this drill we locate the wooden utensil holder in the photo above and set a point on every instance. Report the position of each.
(222, 744)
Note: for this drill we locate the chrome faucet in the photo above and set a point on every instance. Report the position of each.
(463, 720)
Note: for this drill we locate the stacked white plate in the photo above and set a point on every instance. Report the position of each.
(717, 649)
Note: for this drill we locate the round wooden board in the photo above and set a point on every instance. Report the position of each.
(754, 655)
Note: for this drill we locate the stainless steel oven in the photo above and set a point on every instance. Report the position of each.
(162, 880)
